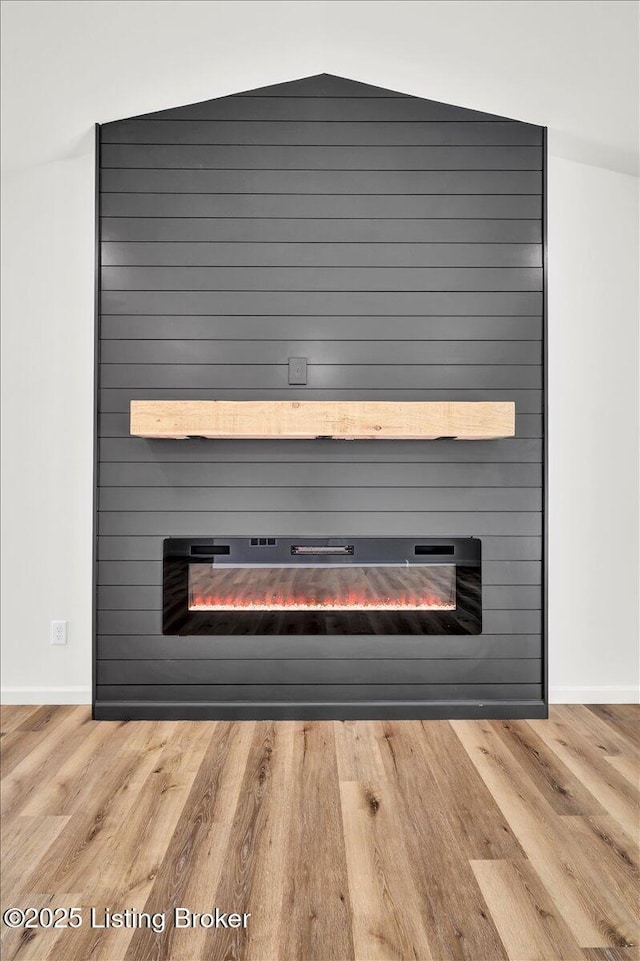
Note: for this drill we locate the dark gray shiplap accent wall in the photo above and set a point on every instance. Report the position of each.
(395, 242)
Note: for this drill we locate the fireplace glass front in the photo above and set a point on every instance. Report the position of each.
(269, 585)
(335, 587)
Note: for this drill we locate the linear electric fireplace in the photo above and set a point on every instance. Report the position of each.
(311, 585)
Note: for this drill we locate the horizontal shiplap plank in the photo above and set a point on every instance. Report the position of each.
(511, 572)
(509, 450)
(325, 646)
(320, 132)
(326, 376)
(238, 498)
(198, 229)
(318, 157)
(131, 548)
(149, 573)
(516, 206)
(313, 108)
(117, 400)
(299, 303)
(150, 622)
(357, 328)
(328, 474)
(335, 182)
(273, 694)
(321, 352)
(308, 671)
(321, 278)
(130, 572)
(511, 597)
(512, 621)
(321, 255)
(449, 523)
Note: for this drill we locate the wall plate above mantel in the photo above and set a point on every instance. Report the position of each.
(339, 420)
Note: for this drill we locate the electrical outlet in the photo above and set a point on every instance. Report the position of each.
(297, 370)
(58, 632)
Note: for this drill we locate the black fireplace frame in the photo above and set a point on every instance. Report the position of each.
(464, 553)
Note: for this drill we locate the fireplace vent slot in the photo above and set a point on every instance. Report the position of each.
(206, 550)
(434, 549)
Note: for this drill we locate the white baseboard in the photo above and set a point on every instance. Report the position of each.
(605, 694)
(45, 695)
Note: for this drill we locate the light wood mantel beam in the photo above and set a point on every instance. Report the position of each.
(343, 420)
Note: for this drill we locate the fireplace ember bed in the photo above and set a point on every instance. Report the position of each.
(311, 585)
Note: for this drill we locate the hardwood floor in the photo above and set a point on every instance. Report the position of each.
(432, 841)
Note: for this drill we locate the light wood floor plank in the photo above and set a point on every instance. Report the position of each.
(611, 954)
(74, 861)
(127, 874)
(37, 944)
(611, 852)
(13, 715)
(386, 906)
(68, 788)
(528, 921)
(60, 735)
(50, 715)
(271, 862)
(561, 788)
(24, 841)
(358, 753)
(587, 910)
(15, 746)
(608, 786)
(141, 847)
(316, 914)
(475, 819)
(629, 767)
(194, 860)
(459, 925)
(244, 881)
(623, 718)
(596, 729)
(388, 919)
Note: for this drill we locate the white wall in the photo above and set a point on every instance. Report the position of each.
(571, 66)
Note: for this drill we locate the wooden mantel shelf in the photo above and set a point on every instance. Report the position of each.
(342, 420)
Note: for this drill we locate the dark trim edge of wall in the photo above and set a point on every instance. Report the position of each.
(545, 431)
(96, 420)
(335, 711)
